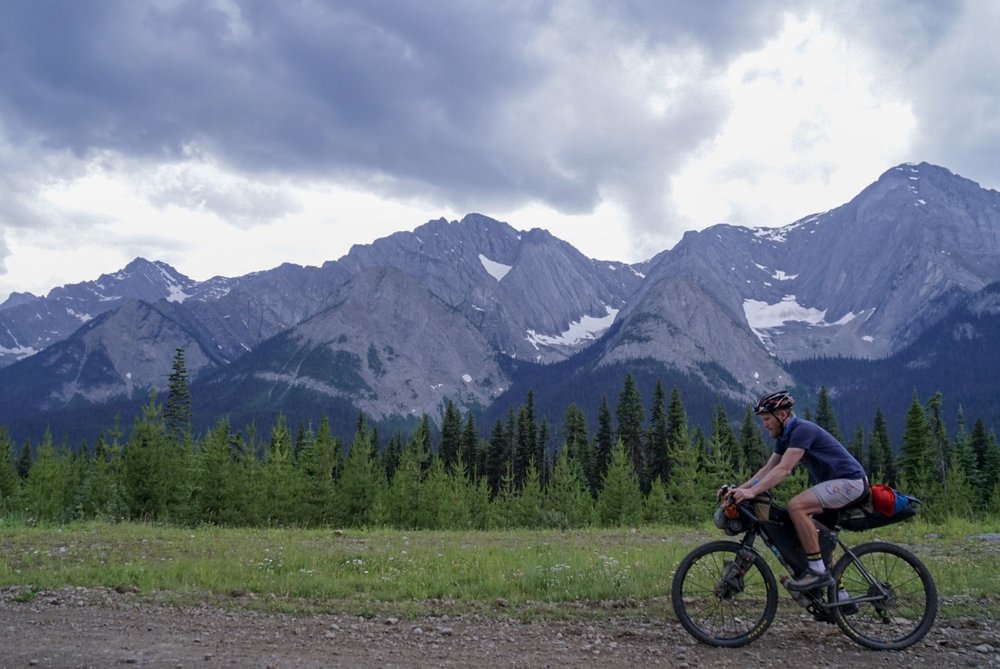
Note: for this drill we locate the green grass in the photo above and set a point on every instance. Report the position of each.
(527, 574)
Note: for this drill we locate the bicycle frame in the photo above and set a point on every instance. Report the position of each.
(814, 601)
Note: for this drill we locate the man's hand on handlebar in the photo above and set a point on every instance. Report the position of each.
(743, 494)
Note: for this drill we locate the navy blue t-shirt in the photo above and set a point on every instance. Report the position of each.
(825, 458)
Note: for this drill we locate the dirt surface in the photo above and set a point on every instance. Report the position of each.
(76, 627)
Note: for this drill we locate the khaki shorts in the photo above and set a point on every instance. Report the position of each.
(838, 493)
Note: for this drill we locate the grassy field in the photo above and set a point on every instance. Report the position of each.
(526, 574)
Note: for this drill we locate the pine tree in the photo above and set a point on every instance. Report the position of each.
(542, 453)
(991, 463)
(471, 453)
(361, 484)
(177, 413)
(458, 498)
(498, 458)
(528, 507)
(620, 501)
(424, 430)
(966, 455)
(320, 462)
(9, 481)
(391, 455)
(100, 492)
(282, 484)
(403, 497)
(505, 503)
(526, 446)
(940, 444)
(482, 514)
(856, 446)
(434, 497)
(630, 415)
(980, 443)
(881, 466)
(677, 429)
(656, 505)
(48, 492)
(603, 444)
(992, 501)
(577, 444)
(656, 452)
(214, 485)
(752, 446)
(451, 435)
(148, 476)
(717, 464)
(568, 502)
(24, 460)
(686, 490)
(916, 469)
(957, 496)
(826, 418)
(303, 440)
(724, 439)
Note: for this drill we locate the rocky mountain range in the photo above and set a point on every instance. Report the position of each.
(398, 327)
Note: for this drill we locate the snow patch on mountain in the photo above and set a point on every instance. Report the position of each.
(776, 274)
(496, 270)
(588, 327)
(763, 317)
(18, 351)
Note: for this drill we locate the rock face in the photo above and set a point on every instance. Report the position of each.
(396, 327)
(531, 295)
(862, 280)
(400, 326)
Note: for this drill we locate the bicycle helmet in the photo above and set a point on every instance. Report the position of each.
(773, 401)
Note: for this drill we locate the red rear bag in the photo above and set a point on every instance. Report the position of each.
(884, 499)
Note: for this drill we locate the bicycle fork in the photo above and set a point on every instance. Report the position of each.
(731, 582)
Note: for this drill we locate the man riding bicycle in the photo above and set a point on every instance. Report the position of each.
(837, 478)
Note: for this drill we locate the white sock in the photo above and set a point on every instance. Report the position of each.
(817, 566)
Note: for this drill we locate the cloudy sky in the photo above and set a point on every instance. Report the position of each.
(229, 136)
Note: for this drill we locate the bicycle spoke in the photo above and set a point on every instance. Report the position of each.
(902, 598)
(716, 604)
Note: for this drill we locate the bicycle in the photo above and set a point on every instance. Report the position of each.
(724, 592)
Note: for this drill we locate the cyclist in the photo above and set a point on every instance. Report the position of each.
(837, 478)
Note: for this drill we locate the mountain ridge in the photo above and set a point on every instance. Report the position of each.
(401, 326)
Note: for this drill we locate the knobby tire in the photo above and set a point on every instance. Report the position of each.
(723, 616)
(899, 621)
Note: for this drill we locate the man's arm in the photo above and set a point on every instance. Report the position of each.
(771, 474)
(771, 463)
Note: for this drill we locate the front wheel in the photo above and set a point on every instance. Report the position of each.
(724, 595)
(900, 592)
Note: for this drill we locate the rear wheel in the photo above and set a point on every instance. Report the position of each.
(717, 604)
(902, 602)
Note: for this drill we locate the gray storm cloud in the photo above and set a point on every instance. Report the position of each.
(480, 104)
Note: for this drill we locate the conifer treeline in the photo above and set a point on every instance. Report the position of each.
(640, 466)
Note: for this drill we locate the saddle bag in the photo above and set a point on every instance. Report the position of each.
(884, 506)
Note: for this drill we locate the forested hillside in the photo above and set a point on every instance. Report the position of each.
(644, 463)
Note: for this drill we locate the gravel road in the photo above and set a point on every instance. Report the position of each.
(76, 627)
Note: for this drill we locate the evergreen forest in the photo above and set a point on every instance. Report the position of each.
(644, 464)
